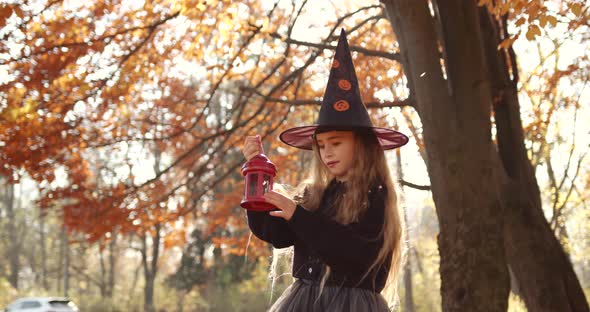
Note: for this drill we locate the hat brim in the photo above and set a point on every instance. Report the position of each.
(301, 137)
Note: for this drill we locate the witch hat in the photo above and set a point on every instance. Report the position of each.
(342, 107)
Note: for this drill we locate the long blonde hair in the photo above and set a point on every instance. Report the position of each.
(371, 166)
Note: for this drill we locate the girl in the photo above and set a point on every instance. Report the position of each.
(343, 221)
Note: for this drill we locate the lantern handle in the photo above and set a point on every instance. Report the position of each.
(260, 147)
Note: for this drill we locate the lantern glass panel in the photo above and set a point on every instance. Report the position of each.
(265, 183)
(253, 184)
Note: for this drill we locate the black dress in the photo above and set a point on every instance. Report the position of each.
(349, 250)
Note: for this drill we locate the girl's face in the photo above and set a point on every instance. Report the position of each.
(337, 152)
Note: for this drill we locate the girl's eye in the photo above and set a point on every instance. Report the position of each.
(321, 146)
(337, 143)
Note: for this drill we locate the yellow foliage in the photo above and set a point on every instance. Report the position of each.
(7, 292)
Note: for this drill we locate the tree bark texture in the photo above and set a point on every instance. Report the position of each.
(486, 195)
(462, 162)
(545, 276)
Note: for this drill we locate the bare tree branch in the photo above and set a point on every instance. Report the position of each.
(415, 186)
(367, 52)
(151, 27)
(311, 102)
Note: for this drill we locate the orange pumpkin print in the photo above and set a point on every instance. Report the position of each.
(344, 84)
(335, 64)
(341, 105)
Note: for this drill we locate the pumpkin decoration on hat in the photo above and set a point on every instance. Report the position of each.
(342, 107)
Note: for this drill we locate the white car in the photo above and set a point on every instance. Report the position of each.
(42, 304)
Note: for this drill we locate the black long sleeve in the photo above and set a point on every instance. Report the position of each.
(344, 247)
(270, 229)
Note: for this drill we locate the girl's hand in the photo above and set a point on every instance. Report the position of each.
(285, 204)
(252, 147)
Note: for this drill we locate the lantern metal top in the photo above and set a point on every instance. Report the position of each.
(259, 162)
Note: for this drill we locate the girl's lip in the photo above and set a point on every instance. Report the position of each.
(332, 163)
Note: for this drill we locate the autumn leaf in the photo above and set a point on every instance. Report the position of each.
(532, 32)
(576, 8)
(507, 43)
(552, 20)
(5, 13)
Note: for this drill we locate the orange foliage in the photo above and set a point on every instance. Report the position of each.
(533, 16)
(183, 81)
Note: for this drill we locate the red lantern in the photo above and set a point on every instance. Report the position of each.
(259, 172)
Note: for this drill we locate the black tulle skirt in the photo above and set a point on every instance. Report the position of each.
(302, 296)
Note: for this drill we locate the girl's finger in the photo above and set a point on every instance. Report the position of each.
(276, 213)
(277, 195)
(252, 140)
(271, 199)
(271, 194)
(251, 149)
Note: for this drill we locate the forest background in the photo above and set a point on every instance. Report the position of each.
(121, 124)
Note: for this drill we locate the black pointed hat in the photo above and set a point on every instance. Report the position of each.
(342, 107)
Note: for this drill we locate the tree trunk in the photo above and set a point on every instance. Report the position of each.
(43, 247)
(59, 279)
(32, 260)
(150, 268)
(14, 246)
(408, 290)
(148, 289)
(107, 276)
(462, 162)
(131, 294)
(112, 264)
(103, 273)
(545, 276)
(468, 171)
(66, 262)
(180, 297)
